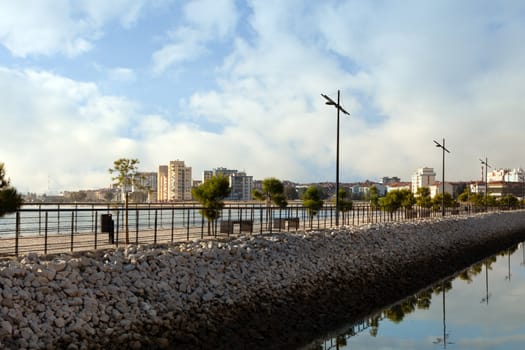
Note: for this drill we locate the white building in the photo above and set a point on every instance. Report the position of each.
(423, 177)
(241, 184)
(437, 188)
(506, 175)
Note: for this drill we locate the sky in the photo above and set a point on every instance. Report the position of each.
(238, 84)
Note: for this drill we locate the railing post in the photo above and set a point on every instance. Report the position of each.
(172, 222)
(137, 215)
(117, 229)
(17, 231)
(96, 223)
(39, 219)
(188, 225)
(58, 218)
(72, 227)
(45, 233)
(155, 229)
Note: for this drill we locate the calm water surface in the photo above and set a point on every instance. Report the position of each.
(482, 308)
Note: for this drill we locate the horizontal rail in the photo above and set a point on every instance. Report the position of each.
(60, 228)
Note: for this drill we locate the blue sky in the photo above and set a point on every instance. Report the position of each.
(237, 84)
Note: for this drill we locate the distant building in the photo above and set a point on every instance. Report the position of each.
(388, 180)
(423, 177)
(502, 182)
(148, 185)
(399, 186)
(241, 184)
(437, 188)
(174, 182)
(163, 184)
(507, 175)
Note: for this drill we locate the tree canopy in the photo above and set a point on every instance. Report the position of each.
(10, 199)
(127, 176)
(272, 192)
(312, 200)
(397, 199)
(345, 203)
(211, 194)
(423, 198)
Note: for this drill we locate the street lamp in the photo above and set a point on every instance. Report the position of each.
(442, 146)
(486, 164)
(338, 106)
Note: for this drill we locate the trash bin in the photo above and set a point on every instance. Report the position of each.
(107, 225)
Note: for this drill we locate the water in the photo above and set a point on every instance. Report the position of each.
(482, 308)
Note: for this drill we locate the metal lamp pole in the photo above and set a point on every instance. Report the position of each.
(338, 106)
(442, 146)
(485, 162)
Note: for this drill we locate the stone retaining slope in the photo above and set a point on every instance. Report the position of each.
(265, 291)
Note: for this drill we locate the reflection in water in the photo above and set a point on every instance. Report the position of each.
(409, 323)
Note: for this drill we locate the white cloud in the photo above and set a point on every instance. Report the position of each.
(53, 127)
(68, 27)
(122, 74)
(206, 21)
(407, 75)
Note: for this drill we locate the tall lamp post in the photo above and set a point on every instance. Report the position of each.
(486, 164)
(442, 146)
(338, 106)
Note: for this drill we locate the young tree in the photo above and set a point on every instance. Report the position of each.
(423, 197)
(396, 199)
(345, 202)
(373, 197)
(126, 178)
(312, 201)
(10, 199)
(272, 192)
(211, 195)
(437, 201)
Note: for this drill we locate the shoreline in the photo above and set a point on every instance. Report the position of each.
(276, 291)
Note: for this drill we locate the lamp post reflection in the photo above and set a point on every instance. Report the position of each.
(523, 249)
(446, 335)
(507, 278)
(487, 295)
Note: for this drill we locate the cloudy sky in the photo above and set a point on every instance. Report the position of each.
(237, 84)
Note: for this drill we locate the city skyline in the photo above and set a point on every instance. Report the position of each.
(238, 84)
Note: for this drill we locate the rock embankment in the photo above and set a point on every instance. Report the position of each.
(267, 291)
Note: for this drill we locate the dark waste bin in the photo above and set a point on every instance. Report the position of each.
(107, 225)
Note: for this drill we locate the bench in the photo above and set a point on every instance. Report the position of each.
(227, 226)
(283, 223)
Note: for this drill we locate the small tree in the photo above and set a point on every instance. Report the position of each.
(396, 199)
(126, 178)
(373, 197)
(10, 199)
(272, 192)
(345, 203)
(423, 197)
(312, 201)
(437, 201)
(211, 195)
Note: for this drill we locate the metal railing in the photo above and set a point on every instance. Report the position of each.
(74, 227)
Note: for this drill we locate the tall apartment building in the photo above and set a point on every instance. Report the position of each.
(241, 184)
(423, 177)
(162, 184)
(174, 182)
